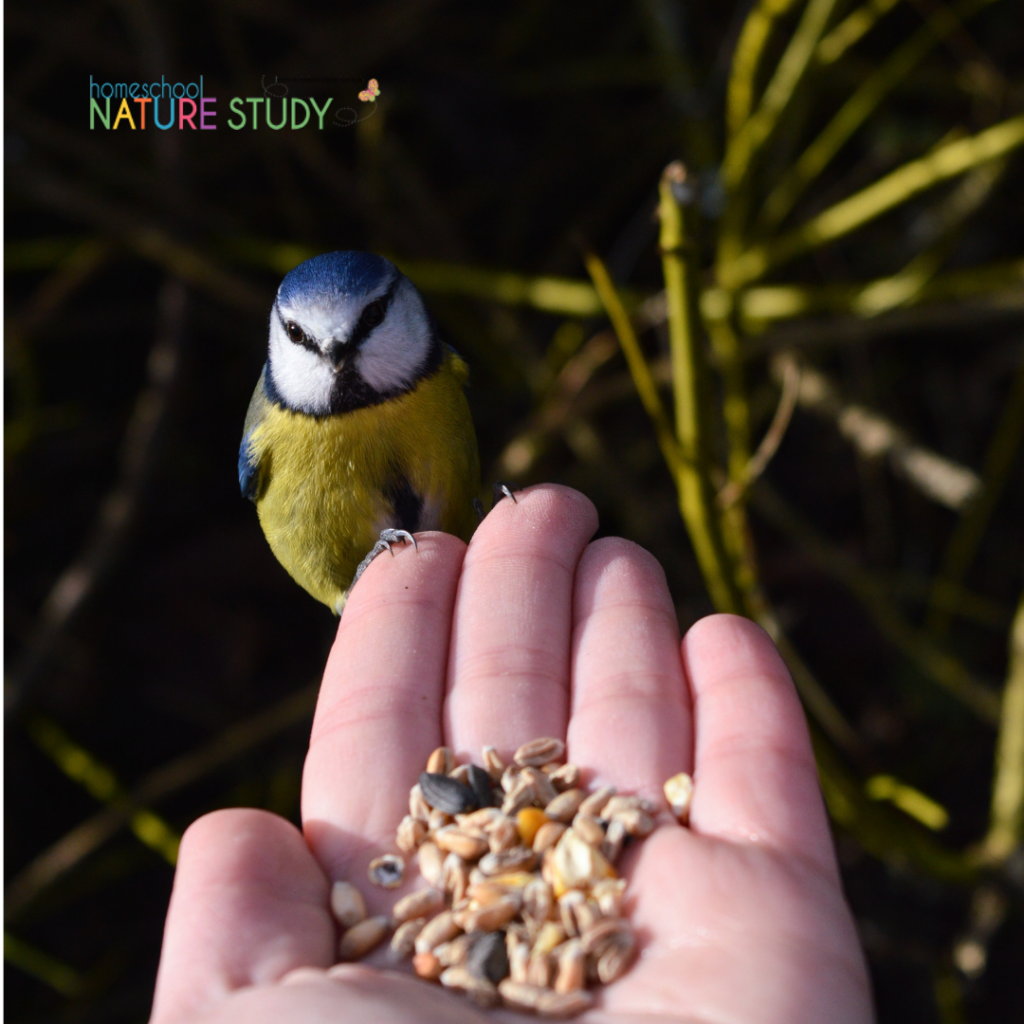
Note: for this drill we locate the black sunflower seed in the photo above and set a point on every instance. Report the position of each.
(480, 783)
(488, 957)
(447, 794)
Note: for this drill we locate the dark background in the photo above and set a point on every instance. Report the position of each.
(140, 269)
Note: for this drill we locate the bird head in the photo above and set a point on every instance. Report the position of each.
(347, 329)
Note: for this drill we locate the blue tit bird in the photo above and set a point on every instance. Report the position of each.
(359, 432)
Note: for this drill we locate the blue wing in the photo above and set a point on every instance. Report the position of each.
(248, 464)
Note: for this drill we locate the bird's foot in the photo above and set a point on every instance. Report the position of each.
(384, 542)
(501, 490)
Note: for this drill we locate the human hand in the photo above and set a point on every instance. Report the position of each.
(531, 631)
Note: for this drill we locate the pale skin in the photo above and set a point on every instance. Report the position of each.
(534, 631)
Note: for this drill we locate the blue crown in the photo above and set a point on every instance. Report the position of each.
(335, 275)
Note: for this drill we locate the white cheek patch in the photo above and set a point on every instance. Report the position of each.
(392, 356)
(303, 379)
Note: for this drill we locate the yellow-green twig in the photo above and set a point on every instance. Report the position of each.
(851, 30)
(1006, 831)
(885, 194)
(747, 59)
(791, 68)
(45, 968)
(856, 110)
(696, 491)
(82, 767)
(638, 368)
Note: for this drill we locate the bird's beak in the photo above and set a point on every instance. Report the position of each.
(337, 354)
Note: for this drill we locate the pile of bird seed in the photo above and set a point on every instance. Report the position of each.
(523, 905)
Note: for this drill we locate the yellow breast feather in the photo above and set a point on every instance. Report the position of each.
(328, 485)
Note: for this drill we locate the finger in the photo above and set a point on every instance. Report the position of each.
(755, 776)
(249, 905)
(630, 704)
(508, 672)
(379, 712)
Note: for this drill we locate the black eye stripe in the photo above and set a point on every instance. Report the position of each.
(365, 325)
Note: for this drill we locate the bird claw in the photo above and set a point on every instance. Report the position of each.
(503, 490)
(384, 541)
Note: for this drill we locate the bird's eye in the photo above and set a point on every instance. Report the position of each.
(295, 332)
(373, 315)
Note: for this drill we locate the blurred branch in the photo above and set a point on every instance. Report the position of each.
(117, 513)
(875, 436)
(77, 844)
(893, 839)
(968, 534)
(79, 765)
(895, 188)
(638, 368)
(758, 127)
(746, 60)
(144, 237)
(689, 374)
(851, 30)
(941, 668)
(769, 445)
(858, 108)
(43, 967)
(1006, 831)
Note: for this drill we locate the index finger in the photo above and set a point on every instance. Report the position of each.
(379, 712)
(755, 778)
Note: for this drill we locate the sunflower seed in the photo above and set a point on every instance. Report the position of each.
(362, 937)
(480, 782)
(347, 904)
(488, 957)
(539, 752)
(386, 871)
(444, 793)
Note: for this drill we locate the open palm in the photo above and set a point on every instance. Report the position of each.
(532, 631)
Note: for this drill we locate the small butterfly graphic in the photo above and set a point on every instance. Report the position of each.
(371, 92)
